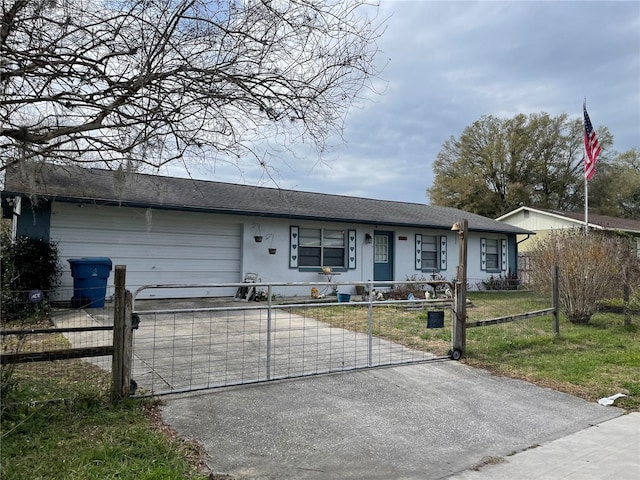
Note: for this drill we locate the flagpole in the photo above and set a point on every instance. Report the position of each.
(586, 198)
(585, 155)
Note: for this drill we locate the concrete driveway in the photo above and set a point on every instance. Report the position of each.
(425, 421)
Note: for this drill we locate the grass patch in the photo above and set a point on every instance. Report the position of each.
(57, 423)
(591, 361)
(396, 323)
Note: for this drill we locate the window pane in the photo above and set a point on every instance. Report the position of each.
(309, 257)
(309, 237)
(334, 257)
(429, 243)
(333, 238)
(381, 249)
(429, 253)
(492, 246)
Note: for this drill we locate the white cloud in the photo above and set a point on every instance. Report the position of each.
(449, 63)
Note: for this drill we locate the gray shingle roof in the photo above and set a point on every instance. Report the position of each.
(604, 221)
(75, 184)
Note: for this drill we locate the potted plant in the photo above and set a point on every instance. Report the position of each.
(272, 249)
(258, 234)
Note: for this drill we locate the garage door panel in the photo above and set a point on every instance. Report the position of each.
(156, 246)
(193, 255)
(178, 270)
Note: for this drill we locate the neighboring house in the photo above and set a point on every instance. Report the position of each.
(543, 222)
(170, 230)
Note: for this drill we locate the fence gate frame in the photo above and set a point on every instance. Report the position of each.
(372, 351)
(126, 320)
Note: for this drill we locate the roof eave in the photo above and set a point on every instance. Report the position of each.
(226, 211)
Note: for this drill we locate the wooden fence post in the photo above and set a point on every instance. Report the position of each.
(122, 336)
(556, 300)
(127, 345)
(459, 334)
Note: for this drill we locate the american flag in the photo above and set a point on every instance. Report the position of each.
(591, 146)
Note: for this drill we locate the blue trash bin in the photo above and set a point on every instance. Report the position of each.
(90, 275)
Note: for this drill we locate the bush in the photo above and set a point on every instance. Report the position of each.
(401, 291)
(618, 305)
(589, 268)
(26, 265)
(501, 282)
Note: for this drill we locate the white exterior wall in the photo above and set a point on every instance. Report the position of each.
(162, 246)
(275, 268)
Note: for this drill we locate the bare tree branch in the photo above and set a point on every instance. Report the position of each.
(151, 81)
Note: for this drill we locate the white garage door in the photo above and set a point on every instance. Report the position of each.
(157, 246)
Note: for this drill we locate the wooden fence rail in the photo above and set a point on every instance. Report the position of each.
(120, 350)
(511, 318)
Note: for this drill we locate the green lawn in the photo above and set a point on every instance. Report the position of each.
(591, 361)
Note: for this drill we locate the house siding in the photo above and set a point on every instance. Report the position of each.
(157, 246)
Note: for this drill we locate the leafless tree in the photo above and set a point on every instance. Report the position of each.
(592, 266)
(147, 82)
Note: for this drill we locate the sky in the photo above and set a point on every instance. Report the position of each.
(450, 62)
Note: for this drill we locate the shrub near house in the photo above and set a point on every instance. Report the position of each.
(589, 268)
(27, 265)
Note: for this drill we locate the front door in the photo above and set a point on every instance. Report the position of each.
(382, 256)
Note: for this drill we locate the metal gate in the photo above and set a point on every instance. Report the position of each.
(185, 345)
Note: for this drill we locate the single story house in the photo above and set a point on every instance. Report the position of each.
(543, 222)
(170, 230)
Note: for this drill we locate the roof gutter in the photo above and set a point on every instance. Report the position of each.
(524, 239)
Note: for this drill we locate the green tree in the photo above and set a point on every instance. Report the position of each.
(615, 188)
(497, 165)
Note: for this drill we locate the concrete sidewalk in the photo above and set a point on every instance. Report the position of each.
(609, 450)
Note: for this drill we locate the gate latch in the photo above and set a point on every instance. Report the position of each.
(135, 321)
